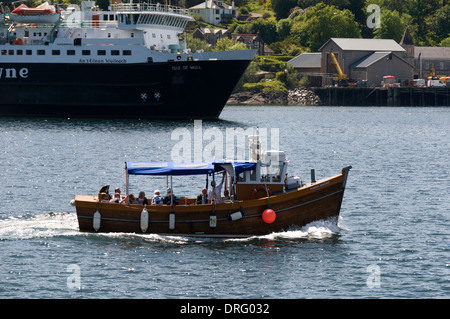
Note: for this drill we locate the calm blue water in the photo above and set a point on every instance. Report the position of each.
(391, 242)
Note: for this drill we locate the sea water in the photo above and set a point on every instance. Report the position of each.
(391, 241)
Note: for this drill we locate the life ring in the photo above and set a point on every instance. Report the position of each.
(18, 41)
(259, 188)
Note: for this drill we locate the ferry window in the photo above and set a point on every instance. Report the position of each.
(56, 52)
(115, 52)
(132, 34)
(29, 52)
(19, 52)
(27, 33)
(86, 52)
(126, 52)
(10, 52)
(101, 52)
(40, 52)
(4, 52)
(70, 52)
(105, 17)
(109, 35)
(111, 17)
(168, 36)
(153, 35)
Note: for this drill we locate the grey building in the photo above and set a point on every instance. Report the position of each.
(426, 59)
(306, 63)
(366, 59)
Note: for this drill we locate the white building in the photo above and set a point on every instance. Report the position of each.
(214, 11)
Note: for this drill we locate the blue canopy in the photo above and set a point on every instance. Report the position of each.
(173, 168)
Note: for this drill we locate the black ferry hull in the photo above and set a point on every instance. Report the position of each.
(185, 90)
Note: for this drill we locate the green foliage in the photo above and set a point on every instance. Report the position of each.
(323, 22)
(445, 42)
(196, 44)
(269, 86)
(226, 44)
(391, 26)
(282, 8)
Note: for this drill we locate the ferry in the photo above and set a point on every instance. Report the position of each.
(257, 197)
(127, 62)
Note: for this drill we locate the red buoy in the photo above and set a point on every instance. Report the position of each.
(269, 216)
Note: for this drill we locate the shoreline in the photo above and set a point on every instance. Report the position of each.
(298, 96)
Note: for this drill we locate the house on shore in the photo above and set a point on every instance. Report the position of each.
(214, 11)
(211, 35)
(252, 41)
(426, 60)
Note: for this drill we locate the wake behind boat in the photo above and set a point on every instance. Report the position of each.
(127, 62)
(262, 199)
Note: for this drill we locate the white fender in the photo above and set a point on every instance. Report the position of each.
(144, 220)
(172, 221)
(96, 221)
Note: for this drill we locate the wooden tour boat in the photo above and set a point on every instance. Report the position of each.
(263, 200)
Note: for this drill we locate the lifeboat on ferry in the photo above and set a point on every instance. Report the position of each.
(44, 13)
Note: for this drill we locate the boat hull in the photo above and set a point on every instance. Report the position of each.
(181, 89)
(319, 201)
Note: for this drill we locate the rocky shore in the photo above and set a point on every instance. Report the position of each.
(297, 96)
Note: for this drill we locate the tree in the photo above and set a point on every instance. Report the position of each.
(391, 26)
(267, 29)
(226, 44)
(323, 22)
(282, 8)
(284, 28)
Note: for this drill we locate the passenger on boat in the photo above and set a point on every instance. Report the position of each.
(218, 188)
(130, 199)
(116, 199)
(117, 190)
(157, 199)
(226, 195)
(167, 199)
(203, 197)
(104, 197)
(104, 190)
(142, 199)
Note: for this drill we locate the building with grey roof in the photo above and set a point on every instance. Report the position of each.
(366, 59)
(306, 63)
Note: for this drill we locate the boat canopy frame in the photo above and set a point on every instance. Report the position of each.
(187, 168)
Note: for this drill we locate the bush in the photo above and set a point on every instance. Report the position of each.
(267, 87)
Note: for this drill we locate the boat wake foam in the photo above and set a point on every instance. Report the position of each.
(50, 225)
(39, 226)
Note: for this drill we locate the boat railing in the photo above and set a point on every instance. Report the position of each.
(88, 24)
(148, 7)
